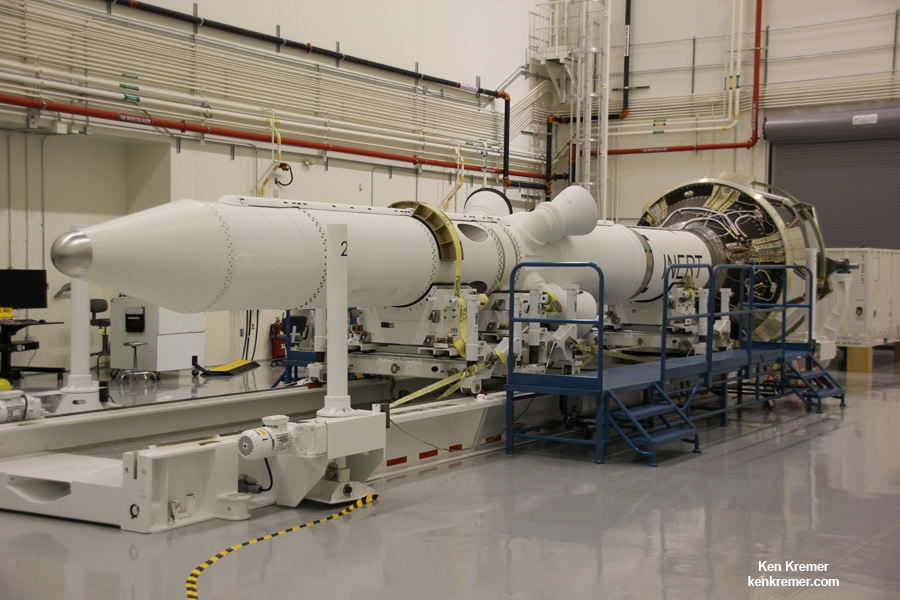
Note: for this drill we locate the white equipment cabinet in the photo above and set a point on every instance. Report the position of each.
(172, 338)
(873, 314)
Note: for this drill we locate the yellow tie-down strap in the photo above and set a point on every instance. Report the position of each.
(592, 350)
(460, 342)
(454, 381)
(553, 304)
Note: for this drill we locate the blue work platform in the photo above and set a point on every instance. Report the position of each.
(669, 385)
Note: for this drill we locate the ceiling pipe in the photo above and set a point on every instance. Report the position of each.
(198, 22)
(184, 126)
(754, 112)
(308, 48)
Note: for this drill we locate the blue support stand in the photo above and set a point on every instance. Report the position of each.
(660, 419)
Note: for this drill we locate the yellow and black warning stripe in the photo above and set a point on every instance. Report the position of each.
(191, 583)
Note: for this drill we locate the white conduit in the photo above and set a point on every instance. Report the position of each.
(78, 90)
(164, 47)
(257, 124)
(738, 62)
(729, 74)
(235, 81)
(852, 88)
(322, 101)
(687, 110)
(150, 96)
(260, 89)
(731, 101)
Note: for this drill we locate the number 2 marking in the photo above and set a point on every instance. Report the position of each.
(344, 246)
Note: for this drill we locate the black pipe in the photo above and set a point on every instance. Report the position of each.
(528, 185)
(627, 59)
(626, 66)
(549, 166)
(506, 137)
(308, 48)
(578, 119)
(572, 167)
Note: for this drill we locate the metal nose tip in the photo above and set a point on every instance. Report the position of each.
(72, 254)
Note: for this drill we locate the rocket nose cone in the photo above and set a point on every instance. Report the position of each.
(72, 254)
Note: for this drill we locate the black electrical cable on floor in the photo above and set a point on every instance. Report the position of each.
(191, 583)
(394, 424)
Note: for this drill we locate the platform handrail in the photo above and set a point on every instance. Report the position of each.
(753, 307)
(598, 322)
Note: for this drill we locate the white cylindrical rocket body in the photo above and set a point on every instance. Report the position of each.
(241, 253)
(633, 260)
(193, 256)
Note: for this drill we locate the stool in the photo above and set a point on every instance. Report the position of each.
(98, 305)
(134, 375)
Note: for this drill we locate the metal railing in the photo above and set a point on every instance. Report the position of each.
(747, 308)
(563, 380)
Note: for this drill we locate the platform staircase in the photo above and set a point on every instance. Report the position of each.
(811, 382)
(647, 426)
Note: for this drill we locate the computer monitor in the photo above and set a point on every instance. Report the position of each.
(23, 288)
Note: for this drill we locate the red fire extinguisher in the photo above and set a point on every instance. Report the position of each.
(278, 351)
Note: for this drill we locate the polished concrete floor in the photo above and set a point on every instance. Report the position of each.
(779, 486)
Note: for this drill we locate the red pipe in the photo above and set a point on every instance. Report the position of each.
(754, 111)
(183, 126)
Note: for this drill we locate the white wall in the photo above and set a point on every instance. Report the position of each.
(84, 183)
(148, 175)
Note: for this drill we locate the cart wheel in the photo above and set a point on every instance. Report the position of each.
(59, 378)
(195, 371)
(154, 376)
(113, 373)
